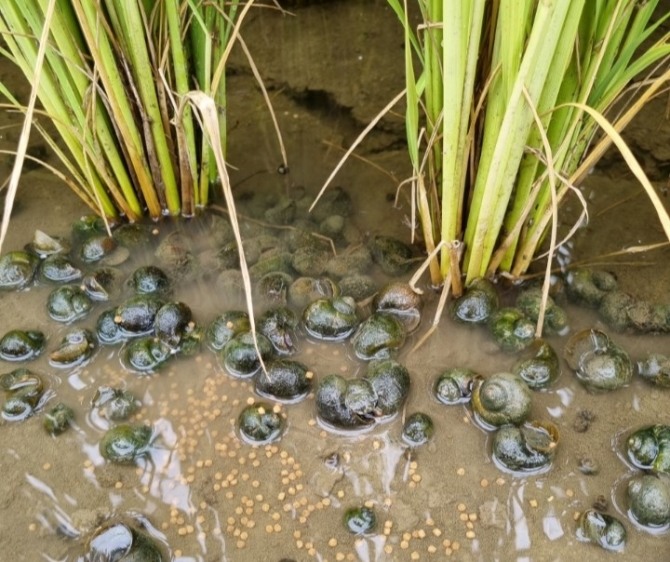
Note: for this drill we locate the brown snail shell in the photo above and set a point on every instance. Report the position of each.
(401, 301)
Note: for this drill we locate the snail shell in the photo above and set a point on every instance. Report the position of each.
(529, 448)
(602, 529)
(501, 399)
(649, 500)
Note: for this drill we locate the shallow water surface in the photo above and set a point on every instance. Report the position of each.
(207, 495)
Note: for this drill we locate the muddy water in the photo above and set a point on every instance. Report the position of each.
(209, 496)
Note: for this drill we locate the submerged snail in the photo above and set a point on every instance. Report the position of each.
(117, 540)
(21, 345)
(599, 363)
(76, 346)
(58, 419)
(103, 284)
(44, 245)
(149, 279)
(25, 394)
(501, 399)
(478, 303)
(225, 327)
(106, 329)
(115, 404)
(602, 529)
(541, 369)
(655, 369)
(649, 448)
(393, 256)
(400, 301)
(360, 520)
(527, 448)
(391, 381)
(511, 329)
(378, 336)
(68, 303)
(331, 319)
(239, 355)
(279, 325)
(58, 268)
(649, 500)
(418, 429)
(454, 386)
(260, 423)
(307, 289)
(531, 301)
(17, 270)
(357, 403)
(284, 379)
(125, 443)
(145, 355)
(589, 287)
(345, 404)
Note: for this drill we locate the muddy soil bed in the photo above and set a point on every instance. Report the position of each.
(210, 496)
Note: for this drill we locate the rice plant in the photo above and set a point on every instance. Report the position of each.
(506, 112)
(110, 83)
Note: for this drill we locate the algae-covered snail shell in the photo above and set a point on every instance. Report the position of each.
(511, 329)
(454, 386)
(125, 443)
(649, 500)
(501, 399)
(378, 336)
(528, 448)
(648, 448)
(541, 368)
(331, 319)
(260, 423)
